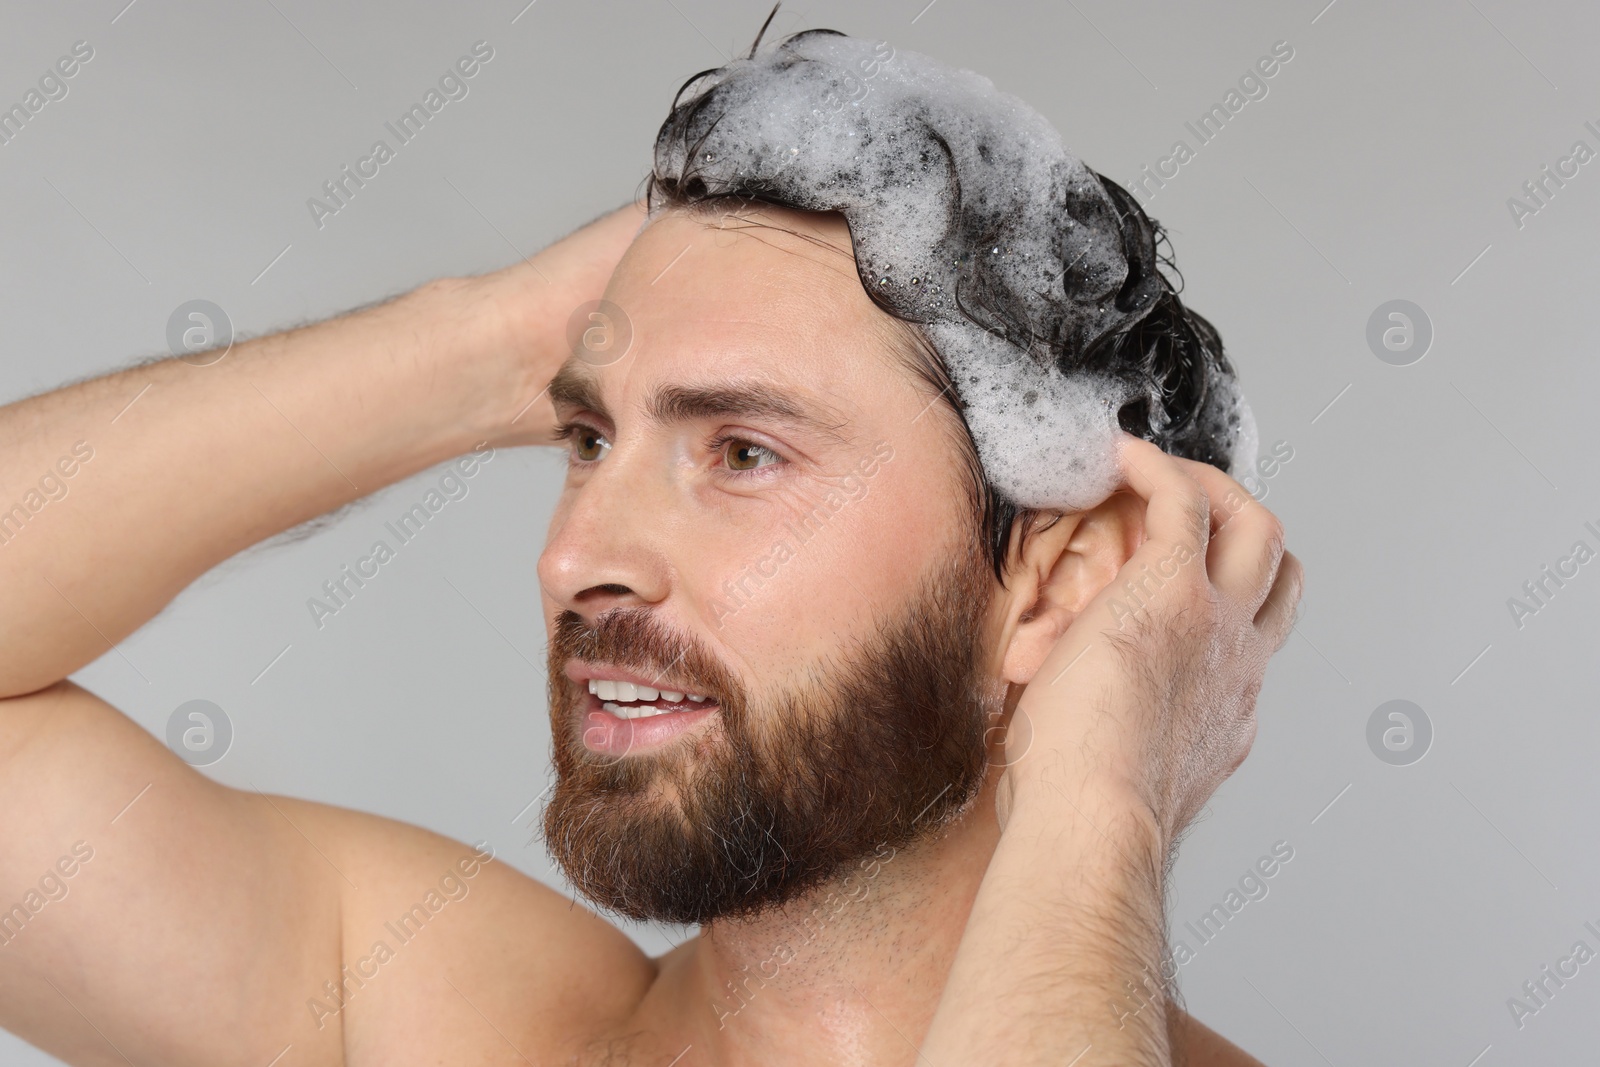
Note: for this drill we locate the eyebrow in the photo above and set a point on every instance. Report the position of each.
(574, 386)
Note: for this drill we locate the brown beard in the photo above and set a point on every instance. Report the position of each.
(883, 744)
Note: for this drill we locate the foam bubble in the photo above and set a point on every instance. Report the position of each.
(1247, 439)
(969, 217)
(1047, 437)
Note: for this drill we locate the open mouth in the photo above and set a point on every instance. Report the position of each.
(620, 718)
(626, 700)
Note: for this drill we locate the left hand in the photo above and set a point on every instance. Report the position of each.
(1147, 701)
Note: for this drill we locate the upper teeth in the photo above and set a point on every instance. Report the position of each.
(608, 690)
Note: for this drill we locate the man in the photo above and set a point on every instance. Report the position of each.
(922, 808)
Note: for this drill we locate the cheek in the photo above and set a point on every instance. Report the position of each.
(785, 582)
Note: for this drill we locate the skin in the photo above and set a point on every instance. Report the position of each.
(208, 917)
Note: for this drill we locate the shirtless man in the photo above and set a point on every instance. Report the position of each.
(997, 899)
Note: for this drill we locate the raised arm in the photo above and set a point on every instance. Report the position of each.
(147, 913)
(122, 490)
(1137, 716)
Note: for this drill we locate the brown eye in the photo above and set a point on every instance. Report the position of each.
(585, 439)
(747, 455)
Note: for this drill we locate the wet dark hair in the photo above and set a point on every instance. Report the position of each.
(1171, 353)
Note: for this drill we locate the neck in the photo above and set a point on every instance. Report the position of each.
(850, 973)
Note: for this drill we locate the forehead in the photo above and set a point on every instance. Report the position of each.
(738, 295)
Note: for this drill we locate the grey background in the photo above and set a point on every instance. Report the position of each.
(1377, 168)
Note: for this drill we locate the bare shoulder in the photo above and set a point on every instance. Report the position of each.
(448, 947)
(350, 937)
(1201, 1046)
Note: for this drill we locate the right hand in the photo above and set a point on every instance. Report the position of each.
(517, 317)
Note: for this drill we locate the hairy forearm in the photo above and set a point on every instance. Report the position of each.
(177, 467)
(1059, 958)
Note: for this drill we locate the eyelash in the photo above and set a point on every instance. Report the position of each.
(565, 431)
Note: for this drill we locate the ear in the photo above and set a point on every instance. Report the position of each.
(1058, 572)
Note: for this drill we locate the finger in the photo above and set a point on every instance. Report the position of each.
(1246, 539)
(1277, 616)
(1177, 511)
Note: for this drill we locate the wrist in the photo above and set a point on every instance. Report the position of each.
(491, 337)
(1062, 802)
(514, 321)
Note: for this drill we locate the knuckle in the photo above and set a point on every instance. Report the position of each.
(1247, 740)
(1268, 559)
(1261, 524)
(1292, 561)
(1272, 529)
(1297, 574)
(1236, 503)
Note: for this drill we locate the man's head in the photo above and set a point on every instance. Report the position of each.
(776, 500)
(818, 576)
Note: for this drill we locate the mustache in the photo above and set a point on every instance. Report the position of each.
(635, 639)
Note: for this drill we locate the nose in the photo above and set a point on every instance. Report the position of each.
(603, 549)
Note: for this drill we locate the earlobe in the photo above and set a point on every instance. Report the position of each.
(1060, 570)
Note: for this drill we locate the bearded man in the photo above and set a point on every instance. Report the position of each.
(880, 648)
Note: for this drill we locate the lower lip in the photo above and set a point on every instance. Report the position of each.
(612, 735)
